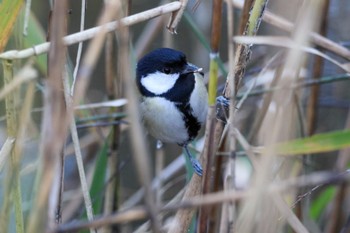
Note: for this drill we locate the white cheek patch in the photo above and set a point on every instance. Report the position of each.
(159, 83)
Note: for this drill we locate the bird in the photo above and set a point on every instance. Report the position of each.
(173, 98)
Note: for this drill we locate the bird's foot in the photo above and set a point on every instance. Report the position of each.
(222, 108)
(197, 167)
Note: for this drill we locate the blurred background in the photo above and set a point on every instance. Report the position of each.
(193, 36)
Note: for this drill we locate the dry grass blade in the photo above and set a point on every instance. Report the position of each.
(106, 104)
(316, 38)
(13, 182)
(318, 66)
(93, 32)
(286, 43)
(137, 213)
(53, 133)
(26, 74)
(78, 154)
(260, 201)
(176, 17)
(6, 151)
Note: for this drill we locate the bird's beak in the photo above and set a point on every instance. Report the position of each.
(190, 68)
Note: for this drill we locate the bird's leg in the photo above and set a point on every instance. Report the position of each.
(195, 164)
(222, 108)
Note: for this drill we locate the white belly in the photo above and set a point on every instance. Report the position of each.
(199, 100)
(163, 120)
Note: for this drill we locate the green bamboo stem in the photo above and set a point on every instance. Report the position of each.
(13, 187)
(213, 80)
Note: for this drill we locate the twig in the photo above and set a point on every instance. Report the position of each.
(5, 151)
(137, 213)
(287, 43)
(216, 27)
(26, 74)
(80, 46)
(316, 38)
(26, 17)
(92, 32)
(299, 84)
(288, 214)
(176, 16)
(113, 89)
(53, 133)
(148, 34)
(317, 72)
(140, 153)
(13, 182)
(78, 154)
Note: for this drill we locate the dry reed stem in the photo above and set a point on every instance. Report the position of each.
(259, 202)
(287, 43)
(311, 114)
(12, 180)
(246, 6)
(288, 214)
(174, 167)
(6, 151)
(26, 74)
(80, 45)
(183, 217)
(112, 174)
(176, 16)
(278, 187)
(145, 227)
(53, 134)
(77, 150)
(316, 38)
(93, 32)
(216, 28)
(139, 147)
(266, 100)
(337, 214)
(148, 34)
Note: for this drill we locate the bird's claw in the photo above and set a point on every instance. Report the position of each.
(222, 108)
(197, 166)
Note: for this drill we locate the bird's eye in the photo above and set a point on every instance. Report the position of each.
(166, 70)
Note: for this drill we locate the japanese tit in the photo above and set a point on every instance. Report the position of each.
(174, 98)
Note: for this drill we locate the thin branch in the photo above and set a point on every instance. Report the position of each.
(92, 32)
(5, 151)
(176, 16)
(316, 38)
(80, 46)
(78, 154)
(137, 213)
(53, 133)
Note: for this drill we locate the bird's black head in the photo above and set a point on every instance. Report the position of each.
(166, 73)
(164, 60)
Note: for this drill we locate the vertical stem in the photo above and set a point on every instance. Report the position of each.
(13, 186)
(11, 118)
(204, 221)
(317, 73)
(113, 92)
(54, 125)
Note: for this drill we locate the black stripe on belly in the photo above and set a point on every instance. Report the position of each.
(191, 122)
